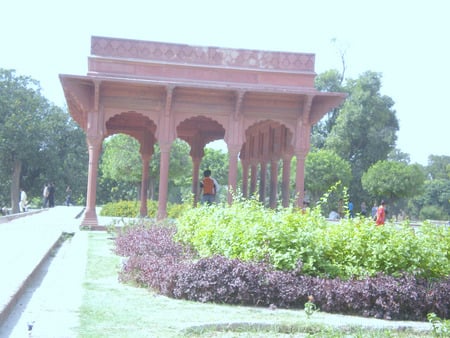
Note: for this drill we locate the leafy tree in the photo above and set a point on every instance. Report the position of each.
(432, 212)
(39, 143)
(399, 156)
(438, 167)
(392, 181)
(217, 161)
(437, 194)
(115, 164)
(121, 162)
(180, 172)
(434, 202)
(121, 175)
(62, 161)
(365, 129)
(329, 81)
(323, 169)
(23, 112)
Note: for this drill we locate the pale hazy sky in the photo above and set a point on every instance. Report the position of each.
(407, 41)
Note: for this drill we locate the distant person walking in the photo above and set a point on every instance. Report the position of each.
(363, 209)
(23, 203)
(45, 194)
(374, 211)
(68, 196)
(381, 214)
(209, 187)
(351, 211)
(51, 195)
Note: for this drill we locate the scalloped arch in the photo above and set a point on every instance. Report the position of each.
(203, 128)
(266, 139)
(131, 123)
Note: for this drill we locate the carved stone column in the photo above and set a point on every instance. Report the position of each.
(233, 152)
(253, 178)
(245, 171)
(300, 177)
(94, 147)
(273, 183)
(146, 151)
(163, 180)
(166, 135)
(285, 183)
(262, 183)
(144, 183)
(197, 153)
(195, 181)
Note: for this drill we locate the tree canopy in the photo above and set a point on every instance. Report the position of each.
(393, 180)
(323, 169)
(38, 140)
(364, 128)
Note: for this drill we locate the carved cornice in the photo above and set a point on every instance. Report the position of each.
(196, 55)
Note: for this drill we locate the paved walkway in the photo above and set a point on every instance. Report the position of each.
(25, 244)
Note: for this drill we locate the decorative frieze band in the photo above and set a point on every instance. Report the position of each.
(211, 56)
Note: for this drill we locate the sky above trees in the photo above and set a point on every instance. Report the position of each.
(405, 41)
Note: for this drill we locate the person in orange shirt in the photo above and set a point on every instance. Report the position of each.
(209, 187)
(381, 214)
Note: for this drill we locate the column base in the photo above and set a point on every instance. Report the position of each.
(89, 222)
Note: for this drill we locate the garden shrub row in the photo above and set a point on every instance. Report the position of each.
(156, 261)
(131, 209)
(351, 248)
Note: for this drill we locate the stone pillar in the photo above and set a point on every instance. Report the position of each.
(273, 183)
(165, 135)
(196, 153)
(245, 170)
(195, 181)
(233, 152)
(94, 147)
(144, 184)
(262, 183)
(253, 178)
(163, 179)
(300, 177)
(286, 180)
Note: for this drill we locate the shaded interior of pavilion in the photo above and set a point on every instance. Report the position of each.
(264, 159)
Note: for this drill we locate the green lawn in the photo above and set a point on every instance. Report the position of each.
(111, 309)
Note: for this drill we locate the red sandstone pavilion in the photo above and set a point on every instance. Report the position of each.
(261, 103)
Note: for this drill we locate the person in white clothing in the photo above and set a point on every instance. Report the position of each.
(23, 201)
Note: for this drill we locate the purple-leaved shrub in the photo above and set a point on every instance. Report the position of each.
(155, 260)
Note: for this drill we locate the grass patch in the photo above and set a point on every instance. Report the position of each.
(111, 309)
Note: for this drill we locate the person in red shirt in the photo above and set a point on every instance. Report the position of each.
(381, 214)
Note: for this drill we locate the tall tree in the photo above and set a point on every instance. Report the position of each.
(365, 129)
(399, 156)
(323, 169)
(434, 203)
(329, 81)
(62, 158)
(392, 181)
(438, 167)
(22, 134)
(120, 168)
(121, 175)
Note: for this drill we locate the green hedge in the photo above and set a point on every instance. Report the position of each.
(290, 239)
(132, 209)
